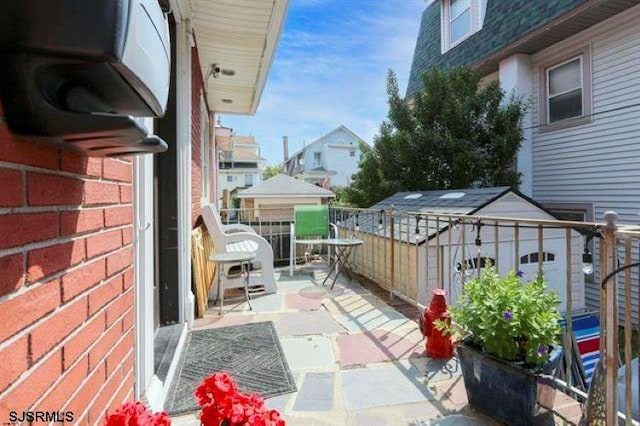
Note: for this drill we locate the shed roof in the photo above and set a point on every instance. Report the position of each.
(285, 186)
(453, 201)
(463, 201)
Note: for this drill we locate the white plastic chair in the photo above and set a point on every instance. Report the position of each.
(242, 238)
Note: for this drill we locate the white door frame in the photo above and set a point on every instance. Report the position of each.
(146, 384)
(183, 67)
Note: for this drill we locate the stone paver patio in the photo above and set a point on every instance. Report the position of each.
(356, 360)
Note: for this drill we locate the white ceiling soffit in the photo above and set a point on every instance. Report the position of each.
(237, 35)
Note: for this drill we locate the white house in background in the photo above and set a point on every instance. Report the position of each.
(334, 156)
(239, 162)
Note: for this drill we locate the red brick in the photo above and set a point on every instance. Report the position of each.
(101, 193)
(105, 395)
(27, 308)
(22, 151)
(118, 216)
(81, 221)
(118, 356)
(89, 333)
(68, 384)
(73, 162)
(116, 170)
(125, 394)
(119, 307)
(119, 261)
(25, 228)
(127, 279)
(83, 278)
(15, 361)
(127, 235)
(105, 343)
(104, 293)
(87, 392)
(103, 243)
(12, 191)
(127, 320)
(126, 193)
(57, 326)
(12, 276)
(52, 190)
(40, 378)
(49, 260)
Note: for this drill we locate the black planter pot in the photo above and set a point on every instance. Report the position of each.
(504, 391)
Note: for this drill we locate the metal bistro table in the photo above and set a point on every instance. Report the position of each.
(343, 246)
(243, 258)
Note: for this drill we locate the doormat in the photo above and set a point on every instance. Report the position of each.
(250, 353)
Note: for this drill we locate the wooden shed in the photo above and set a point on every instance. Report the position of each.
(453, 251)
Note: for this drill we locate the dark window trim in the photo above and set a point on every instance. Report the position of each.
(585, 54)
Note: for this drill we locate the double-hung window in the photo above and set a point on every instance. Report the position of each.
(564, 90)
(459, 20)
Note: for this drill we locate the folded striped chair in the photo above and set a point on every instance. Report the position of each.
(585, 350)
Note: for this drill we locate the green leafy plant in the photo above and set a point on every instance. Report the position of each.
(507, 317)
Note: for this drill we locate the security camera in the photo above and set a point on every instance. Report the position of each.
(215, 70)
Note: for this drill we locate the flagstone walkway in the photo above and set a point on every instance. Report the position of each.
(356, 360)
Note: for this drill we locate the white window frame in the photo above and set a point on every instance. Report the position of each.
(543, 89)
(477, 10)
(252, 176)
(230, 179)
(548, 95)
(205, 154)
(317, 162)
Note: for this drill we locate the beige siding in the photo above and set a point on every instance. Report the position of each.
(598, 162)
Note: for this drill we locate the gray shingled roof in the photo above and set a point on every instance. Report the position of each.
(505, 22)
(427, 202)
(284, 186)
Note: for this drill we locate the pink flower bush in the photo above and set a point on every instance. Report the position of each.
(223, 405)
(136, 414)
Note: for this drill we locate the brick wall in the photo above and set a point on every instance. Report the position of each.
(196, 122)
(66, 287)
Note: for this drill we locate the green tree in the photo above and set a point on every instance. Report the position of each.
(271, 170)
(452, 134)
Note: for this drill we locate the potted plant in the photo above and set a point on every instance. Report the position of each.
(507, 331)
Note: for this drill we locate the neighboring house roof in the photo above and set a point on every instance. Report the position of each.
(452, 201)
(514, 26)
(285, 186)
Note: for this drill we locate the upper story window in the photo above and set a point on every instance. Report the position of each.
(460, 19)
(248, 179)
(229, 178)
(352, 153)
(565, 91)
(317, 159)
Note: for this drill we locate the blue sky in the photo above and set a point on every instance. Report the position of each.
(330, 69)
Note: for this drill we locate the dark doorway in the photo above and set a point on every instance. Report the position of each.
(166, 209)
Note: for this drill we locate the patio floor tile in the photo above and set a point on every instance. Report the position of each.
(381, 386)
(317, 393)
(459, 420)
(265, 303)
(310, 352)
(303, 302)
(437, 369)
(376, 346)
(215, 321)
(305, 323)
(373, 320)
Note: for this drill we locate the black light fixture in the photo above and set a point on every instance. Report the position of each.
(587, 258)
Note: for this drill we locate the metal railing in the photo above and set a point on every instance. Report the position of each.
(412, 253)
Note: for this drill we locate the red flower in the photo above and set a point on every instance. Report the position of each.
(223, 405)
(136, 414)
